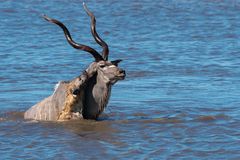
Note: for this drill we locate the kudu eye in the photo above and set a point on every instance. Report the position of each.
(102, 65)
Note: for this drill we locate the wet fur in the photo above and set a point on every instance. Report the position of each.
(62, 105)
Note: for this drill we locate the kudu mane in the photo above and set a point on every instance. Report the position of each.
(87, 95)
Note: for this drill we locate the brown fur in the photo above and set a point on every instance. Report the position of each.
(72, 104)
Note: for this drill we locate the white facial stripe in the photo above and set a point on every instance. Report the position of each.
(105, 78)
(105, 68)
(112, 66)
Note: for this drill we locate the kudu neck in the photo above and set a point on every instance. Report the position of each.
(97, 95)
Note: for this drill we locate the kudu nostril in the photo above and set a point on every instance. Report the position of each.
(121, 71)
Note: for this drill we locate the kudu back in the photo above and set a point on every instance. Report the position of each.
(87, 95)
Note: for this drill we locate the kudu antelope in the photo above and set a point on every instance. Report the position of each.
(87, 95)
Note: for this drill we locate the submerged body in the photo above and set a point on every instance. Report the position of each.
(63, 104)
(84, 97)
(50, 108)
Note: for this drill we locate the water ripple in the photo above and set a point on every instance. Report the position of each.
(180, 99)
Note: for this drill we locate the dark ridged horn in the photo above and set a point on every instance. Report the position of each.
(67, 34)
(104, 45)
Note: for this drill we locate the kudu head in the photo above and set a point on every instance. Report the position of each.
(108, 71)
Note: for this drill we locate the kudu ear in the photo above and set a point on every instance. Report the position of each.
(116, 62)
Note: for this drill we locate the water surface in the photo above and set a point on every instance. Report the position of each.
(180, 99)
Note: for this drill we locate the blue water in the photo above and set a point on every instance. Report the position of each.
(180, 99)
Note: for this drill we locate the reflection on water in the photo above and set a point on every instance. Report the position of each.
(180, 98)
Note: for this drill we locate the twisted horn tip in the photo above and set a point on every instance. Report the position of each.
(46, 17)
